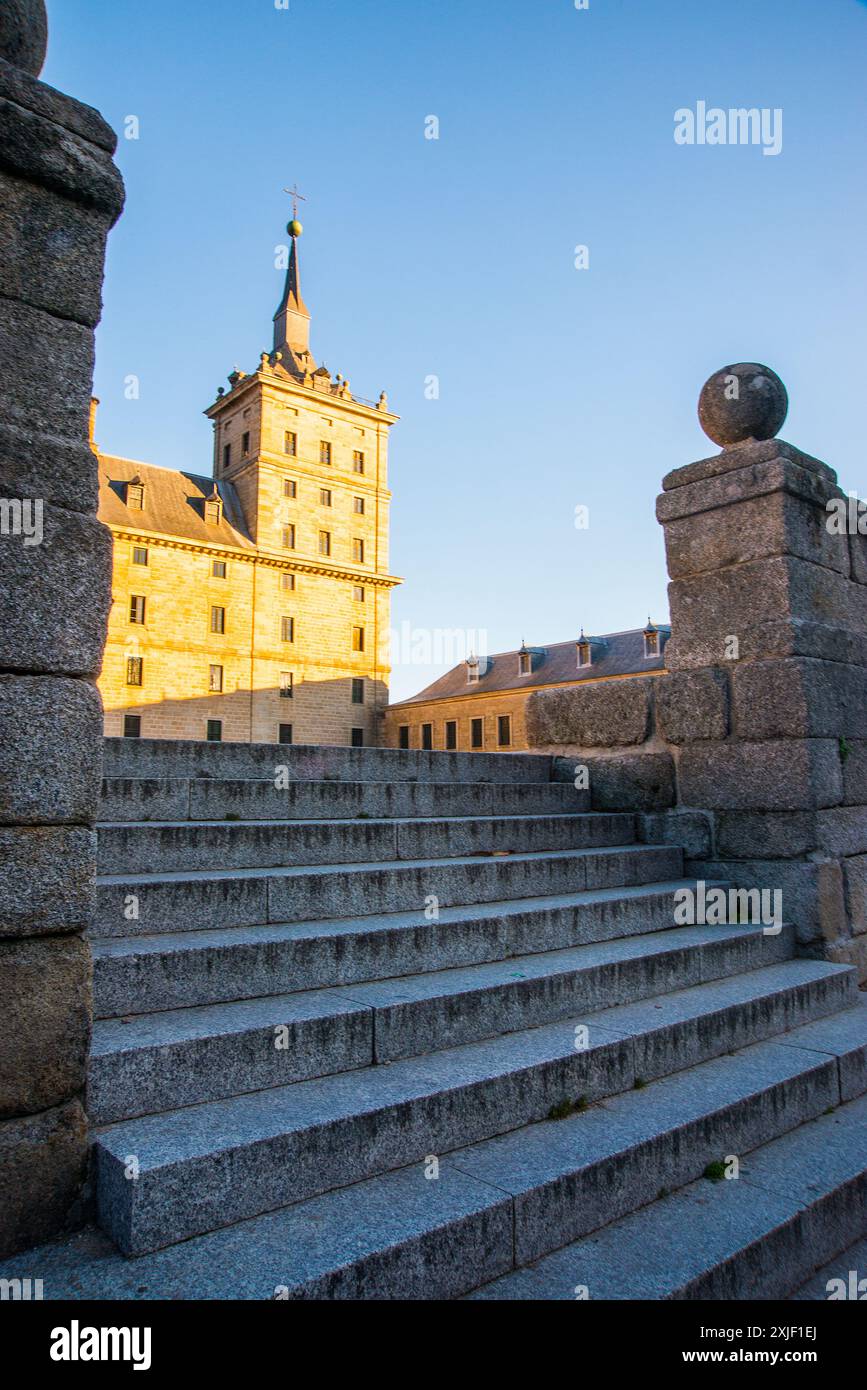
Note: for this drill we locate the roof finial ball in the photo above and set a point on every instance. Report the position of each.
(24, 34)
(740, 403)
(294, 227)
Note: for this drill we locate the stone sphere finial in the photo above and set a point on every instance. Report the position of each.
(294, 228)
(745, 401)
(24, 34)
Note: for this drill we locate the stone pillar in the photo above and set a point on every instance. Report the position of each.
(766, 700)
(59, 195)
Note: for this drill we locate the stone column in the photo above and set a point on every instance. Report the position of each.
(766, 701)
(59, 195)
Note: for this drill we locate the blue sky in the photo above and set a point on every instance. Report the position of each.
(455, 257)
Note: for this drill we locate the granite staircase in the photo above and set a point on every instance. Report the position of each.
(389, 1024)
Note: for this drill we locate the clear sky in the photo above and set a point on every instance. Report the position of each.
(455, 257)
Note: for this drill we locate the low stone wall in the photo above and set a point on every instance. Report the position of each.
(751, 751)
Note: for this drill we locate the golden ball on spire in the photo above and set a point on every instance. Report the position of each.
(294, 228)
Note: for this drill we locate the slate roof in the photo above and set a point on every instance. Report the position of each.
(174, 503)
(614, 654)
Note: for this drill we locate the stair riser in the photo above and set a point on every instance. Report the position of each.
(168, 1077)
(149, 982)
(236, 845)
(201, 1193)
(188, 905)
(169, 758)
(125, 799)
(553, 1214)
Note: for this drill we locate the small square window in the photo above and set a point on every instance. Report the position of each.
(358, 506)
(214, 732)
(324, 451)
(324, 542)
(477, 733)
(287, 685)
(218, 620)
(325, 496)
(290, 443)
(357, 738)
(358, 593)
(134, 670)
(504, 730)
(427, 737)
(358, 639)
(287, 581)
(358, 551)
(403, 736)
(137, 604)
(290, 487)
(288, 537)
(285, 733)
(451, 733)
(132, 726)
(218, 569)
(140, 555)
(245, 443)
(215, 680)
(357, 691)
(358, 461)
(287, 629)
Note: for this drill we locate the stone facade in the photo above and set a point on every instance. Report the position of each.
(60, 194)
(752, 748)
(295, 555)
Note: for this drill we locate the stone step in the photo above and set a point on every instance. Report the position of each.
(135, 848)
(163, 1061)
(145, 974)
(205, 798)
(218, 1163)
(171, 758)
(196, 900)
(800, 1199)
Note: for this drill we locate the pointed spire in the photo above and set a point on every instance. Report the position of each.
(292, 319)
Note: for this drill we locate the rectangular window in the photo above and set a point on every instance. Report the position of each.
(403, 736)
(427, 737)
(358, 461)
(132, 726)
(290, 487)
(358, 639)
(357, 691)
(287, 629)
(135, 496)
(358, 593)
(357, 738)
(477, 733)
(285, 733)
(451, 733)
(358, 506)
(324, 542)
(214, 732)
(290, 443)
(324, 451)
(227, 455)
(504, 730)
(287, 685)
(137, 608)
(245, 443)
(218, 619)
(213, 511)
(134, 671)
(325, 496)
(288, 537)
(287, 581)
(218, 569)
(358, 551)
(139, 554)
(215, 680)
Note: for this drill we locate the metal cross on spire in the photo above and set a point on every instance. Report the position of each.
(295, 195)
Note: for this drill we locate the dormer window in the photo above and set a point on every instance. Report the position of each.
(213, 510)
(135, 495)
(525, 662)
(472, 670)
(585, 651)
(651, 640)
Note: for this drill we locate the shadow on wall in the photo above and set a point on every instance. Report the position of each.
(340, 712)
